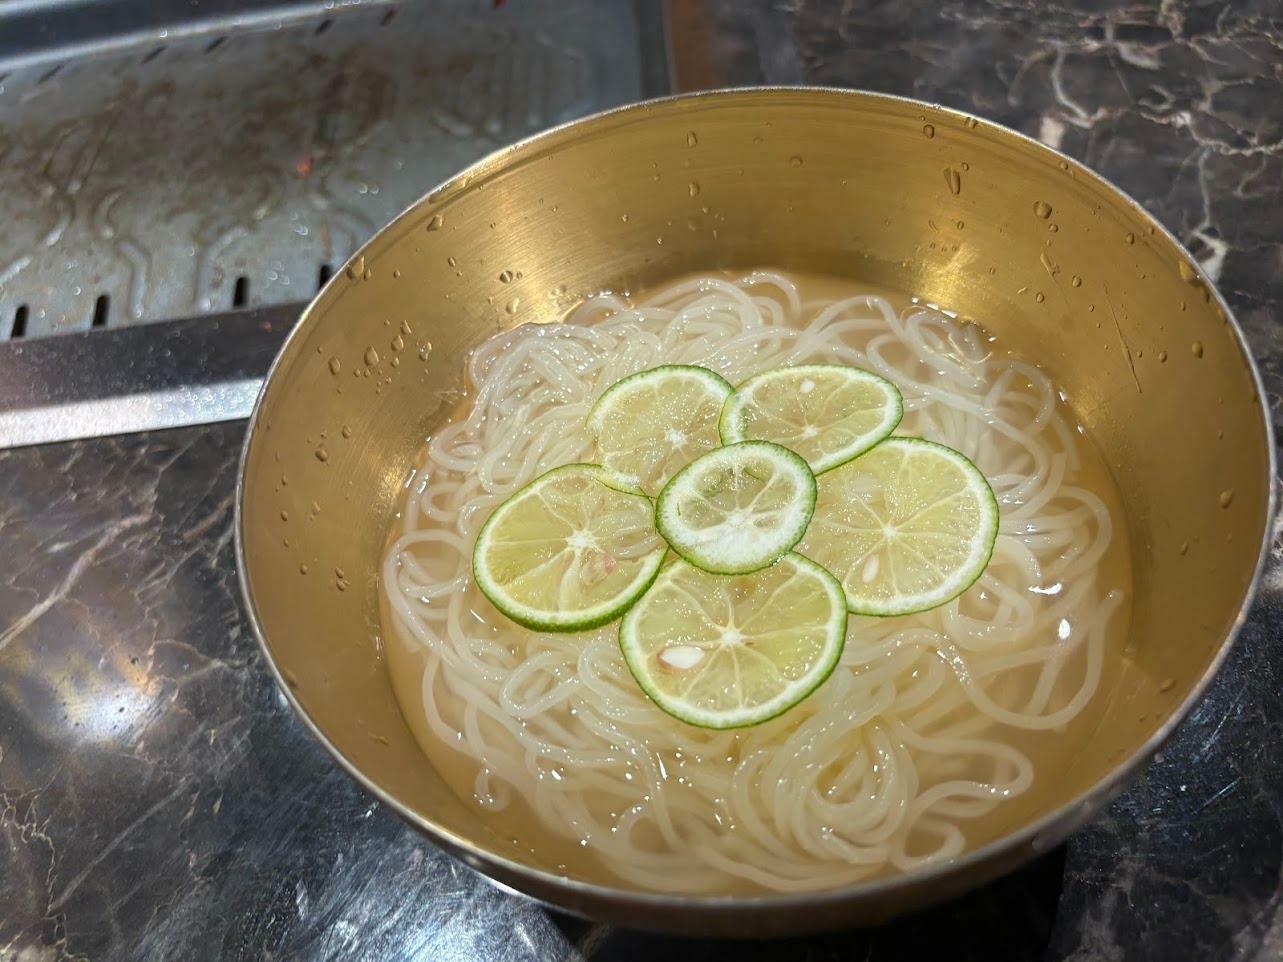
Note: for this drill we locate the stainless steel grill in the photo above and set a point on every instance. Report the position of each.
(163, 168)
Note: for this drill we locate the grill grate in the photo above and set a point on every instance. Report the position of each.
(218, 168)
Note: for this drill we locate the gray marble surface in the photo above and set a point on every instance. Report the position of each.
(157, 800)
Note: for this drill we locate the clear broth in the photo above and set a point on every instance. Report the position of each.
(521, 834)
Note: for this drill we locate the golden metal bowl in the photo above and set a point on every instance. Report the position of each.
(899, 194)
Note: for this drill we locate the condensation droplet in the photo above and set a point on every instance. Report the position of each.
(335, 365)
(322, 455)
(435, 222)
(424, 352)
(405, 327)
(512, 305)
(346, 431)
(961, 225)
(356, 268)
(694, 188)
(1196, 348)
(398, 343)
(1162, 357)
(1184, 547)
(396, 273)
(624, 218)
(505, 277)
(928, 130)
(1227, 497)
(1188, 274)
(1076, 281)
(795, 160)
(316, 508)
(1167, 685)
(691, 139)
(452, 261)
(302, 569)
(1042, 209)
(285, 516)
(1040, 297)
(1130, 238)
(371, 356)
(954, 180)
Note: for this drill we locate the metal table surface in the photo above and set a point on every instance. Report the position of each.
(157, 800)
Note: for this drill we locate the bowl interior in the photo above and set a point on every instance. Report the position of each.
(885, 191)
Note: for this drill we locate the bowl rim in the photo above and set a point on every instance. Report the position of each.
(1041, 834)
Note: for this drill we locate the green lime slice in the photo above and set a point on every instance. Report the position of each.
(737, 508)
(726, 651)
(827, 413)
(905, 527)
(649, 425)
(569, 551)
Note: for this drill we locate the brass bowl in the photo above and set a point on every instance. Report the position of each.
(896, 193)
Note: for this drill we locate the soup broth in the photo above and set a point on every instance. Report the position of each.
(937, 733)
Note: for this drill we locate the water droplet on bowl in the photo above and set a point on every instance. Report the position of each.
(335, 365)
(694, 188)
(928, 130)
(1196, 348)
(1130, 238)
(505, 277)
(356, 268)
(512, 305)
(285, 516)
(953, 180)
(1184, 547)
(405, 327)
(302, 569)
(371, 356)
(452, 261)
(346, 431)
(692, 139)
(398, 343)
(1227, 497)
(1188, 274)
(1040, 297)
(435, 222)
(795, 161)
(322, 455)
(1042, 209)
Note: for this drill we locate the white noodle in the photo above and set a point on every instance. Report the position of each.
(885, 764)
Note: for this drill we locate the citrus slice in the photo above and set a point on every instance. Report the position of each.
(725, 651)
(649, 425)
(569, 551)
(737, 508)
(827, 413)
(905, 527)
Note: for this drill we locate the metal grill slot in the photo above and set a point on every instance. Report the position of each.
(102, 308)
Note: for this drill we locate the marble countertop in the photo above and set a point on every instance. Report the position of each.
(159, 801)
